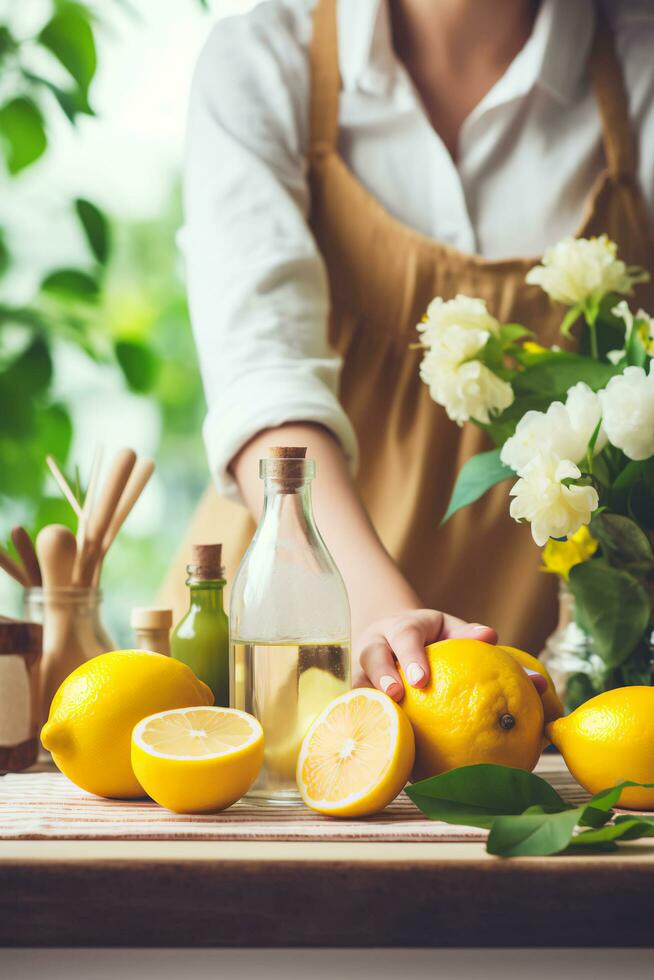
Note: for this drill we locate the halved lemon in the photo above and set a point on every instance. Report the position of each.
(197, 760)
(357, 755)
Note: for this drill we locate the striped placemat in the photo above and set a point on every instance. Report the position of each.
(46, 806)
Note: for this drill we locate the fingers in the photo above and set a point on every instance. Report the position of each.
(538, 680)
(407, 639)
(377, 661)
(454, 627)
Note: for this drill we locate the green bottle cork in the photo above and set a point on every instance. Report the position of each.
(201, 638)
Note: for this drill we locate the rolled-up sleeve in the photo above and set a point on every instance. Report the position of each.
(257, 284)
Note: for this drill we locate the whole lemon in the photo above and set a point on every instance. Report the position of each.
(479, 706)
(552, 704)
(609, 739)
(92, 715)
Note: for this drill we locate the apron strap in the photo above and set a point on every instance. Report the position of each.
(325, 81)
(610, 92)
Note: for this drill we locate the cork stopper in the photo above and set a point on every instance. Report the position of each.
(151, 618)
(287, 452)
(206, 561)
(288, 466)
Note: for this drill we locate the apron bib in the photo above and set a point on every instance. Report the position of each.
(482, 565)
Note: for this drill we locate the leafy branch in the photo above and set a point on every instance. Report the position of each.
(524, 815)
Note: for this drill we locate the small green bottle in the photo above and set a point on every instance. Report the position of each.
(201, 639)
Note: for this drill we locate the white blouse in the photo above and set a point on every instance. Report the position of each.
(527, 157)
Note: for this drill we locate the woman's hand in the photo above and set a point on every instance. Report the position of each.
(402, 639)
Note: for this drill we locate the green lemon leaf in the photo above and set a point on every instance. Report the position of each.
(23, 133)
(69, 37)
(72, 284)
(533, 834)
(624, 828)
(478, 475)
(96, 228)
(476, 795)
(612, 606)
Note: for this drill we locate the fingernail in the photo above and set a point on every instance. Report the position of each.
(390, 685)
(478, 627)
(414, 674)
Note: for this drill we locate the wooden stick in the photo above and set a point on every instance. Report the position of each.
(139, 477)
(25, 548)
(13, 568)
(62, 483)
(90, 497)
(102, 515)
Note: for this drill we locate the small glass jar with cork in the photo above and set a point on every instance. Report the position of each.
(201, 638)
(151, 628)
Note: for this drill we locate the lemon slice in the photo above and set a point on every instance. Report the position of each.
(197, 760)
(357, 755)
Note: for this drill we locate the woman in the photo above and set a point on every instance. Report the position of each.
(347, 161)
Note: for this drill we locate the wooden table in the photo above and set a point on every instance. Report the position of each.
(323, 894)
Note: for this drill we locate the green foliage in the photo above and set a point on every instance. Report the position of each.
(525, 815)
(139, 364)
(69, 36)
(476, 795)
(96, 228)
(71, 284)
(87, 305)
(477, 475)
(23, 133)
(612, 606)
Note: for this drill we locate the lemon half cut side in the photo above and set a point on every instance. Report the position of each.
(197, 760)
(357, 755)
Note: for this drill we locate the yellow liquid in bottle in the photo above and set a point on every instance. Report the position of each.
(285, 686)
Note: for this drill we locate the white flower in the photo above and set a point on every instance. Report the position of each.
(628, 412)
(584, 410)
(578, 269)
(563, 430)
(459, 382)
(462, 311)
(553, 509)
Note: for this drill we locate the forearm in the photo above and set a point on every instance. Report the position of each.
(375, 585)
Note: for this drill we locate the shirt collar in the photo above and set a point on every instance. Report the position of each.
(366, 57)
(554, 57)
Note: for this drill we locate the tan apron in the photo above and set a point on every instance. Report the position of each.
(481, 566)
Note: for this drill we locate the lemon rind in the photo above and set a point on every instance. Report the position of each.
(256, 736)
(346, 801)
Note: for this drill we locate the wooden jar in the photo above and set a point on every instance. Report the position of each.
(20, 654)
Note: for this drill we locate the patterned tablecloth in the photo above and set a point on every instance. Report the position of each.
(46, 806)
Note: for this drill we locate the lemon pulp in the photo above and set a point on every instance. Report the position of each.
(357, 755)
(195, 733)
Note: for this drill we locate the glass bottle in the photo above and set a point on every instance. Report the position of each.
(289, 624)
(152, 629)
(201, 638)
(72, 633)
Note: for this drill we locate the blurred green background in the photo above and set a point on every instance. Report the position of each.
(95, 343)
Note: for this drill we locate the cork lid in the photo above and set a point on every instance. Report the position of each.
(287, 452)
(151, 618)
(206, 561)
(288, 466)
(19, 636)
